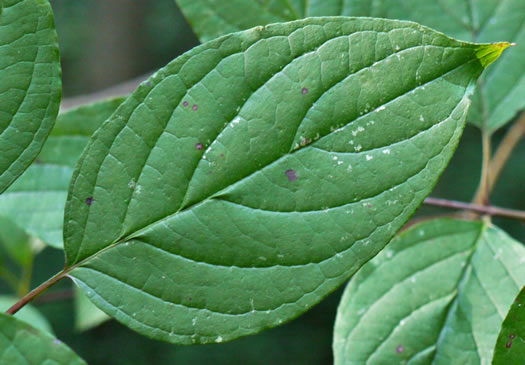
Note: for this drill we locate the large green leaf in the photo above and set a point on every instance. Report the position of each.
(253, 175)
(22, 344)
(502, 92)
(27, 314)
(30, 84)
(437, 294)
(510, 347)
(36, 201)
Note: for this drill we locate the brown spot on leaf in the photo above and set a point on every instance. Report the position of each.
(512, 336)
(89, 200)
(291, 174)
(509, 344)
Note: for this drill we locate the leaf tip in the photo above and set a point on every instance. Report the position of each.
(488, 53)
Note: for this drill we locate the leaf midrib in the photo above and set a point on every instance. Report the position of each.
(461, 281)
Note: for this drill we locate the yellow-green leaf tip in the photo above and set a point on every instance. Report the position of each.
(488, 53)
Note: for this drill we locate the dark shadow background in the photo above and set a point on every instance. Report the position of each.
(106, 42)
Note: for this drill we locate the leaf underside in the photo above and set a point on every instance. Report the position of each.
(502, 92)
(22, 344)
(437, 294)
(510, 347)
(35, 202)
(253, 175)
(30, 83)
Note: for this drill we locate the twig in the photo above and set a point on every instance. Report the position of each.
(36, 292)
(507, 145)
(482, 195)
(483, 209)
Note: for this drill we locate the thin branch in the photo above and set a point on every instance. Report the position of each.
(482, 209)
(507, 145)
(36, 292)
(482, 195)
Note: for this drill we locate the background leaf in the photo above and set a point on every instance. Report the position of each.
(30, 87)
(87, 315)
(502, 92)
(437, 294)
(15, 242)
(23, 344)
(36, 201)
(253, 175)
(28, 314)
(510, 347)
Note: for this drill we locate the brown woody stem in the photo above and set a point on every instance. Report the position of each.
(36, 292)
(483, 209)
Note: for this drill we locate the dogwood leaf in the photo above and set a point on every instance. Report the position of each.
(256, 173)
(437, 294)
(22, 344)
(510, 347)
(30, 83)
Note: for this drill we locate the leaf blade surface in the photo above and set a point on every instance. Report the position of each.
(30, 89)
(22, 344)
(200, 195)
(437, 294)
(510, 347)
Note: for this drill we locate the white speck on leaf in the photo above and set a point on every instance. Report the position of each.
(369, 157)
(386, 151)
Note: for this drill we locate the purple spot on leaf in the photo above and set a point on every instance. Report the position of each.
(304, 91)
(190, 299)
(194, 107)
(400, 349)
(199, 146)
(291, 174)
(89, 200)
(56, 341)
(185, 104)
(148, 83)
(509, 344)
